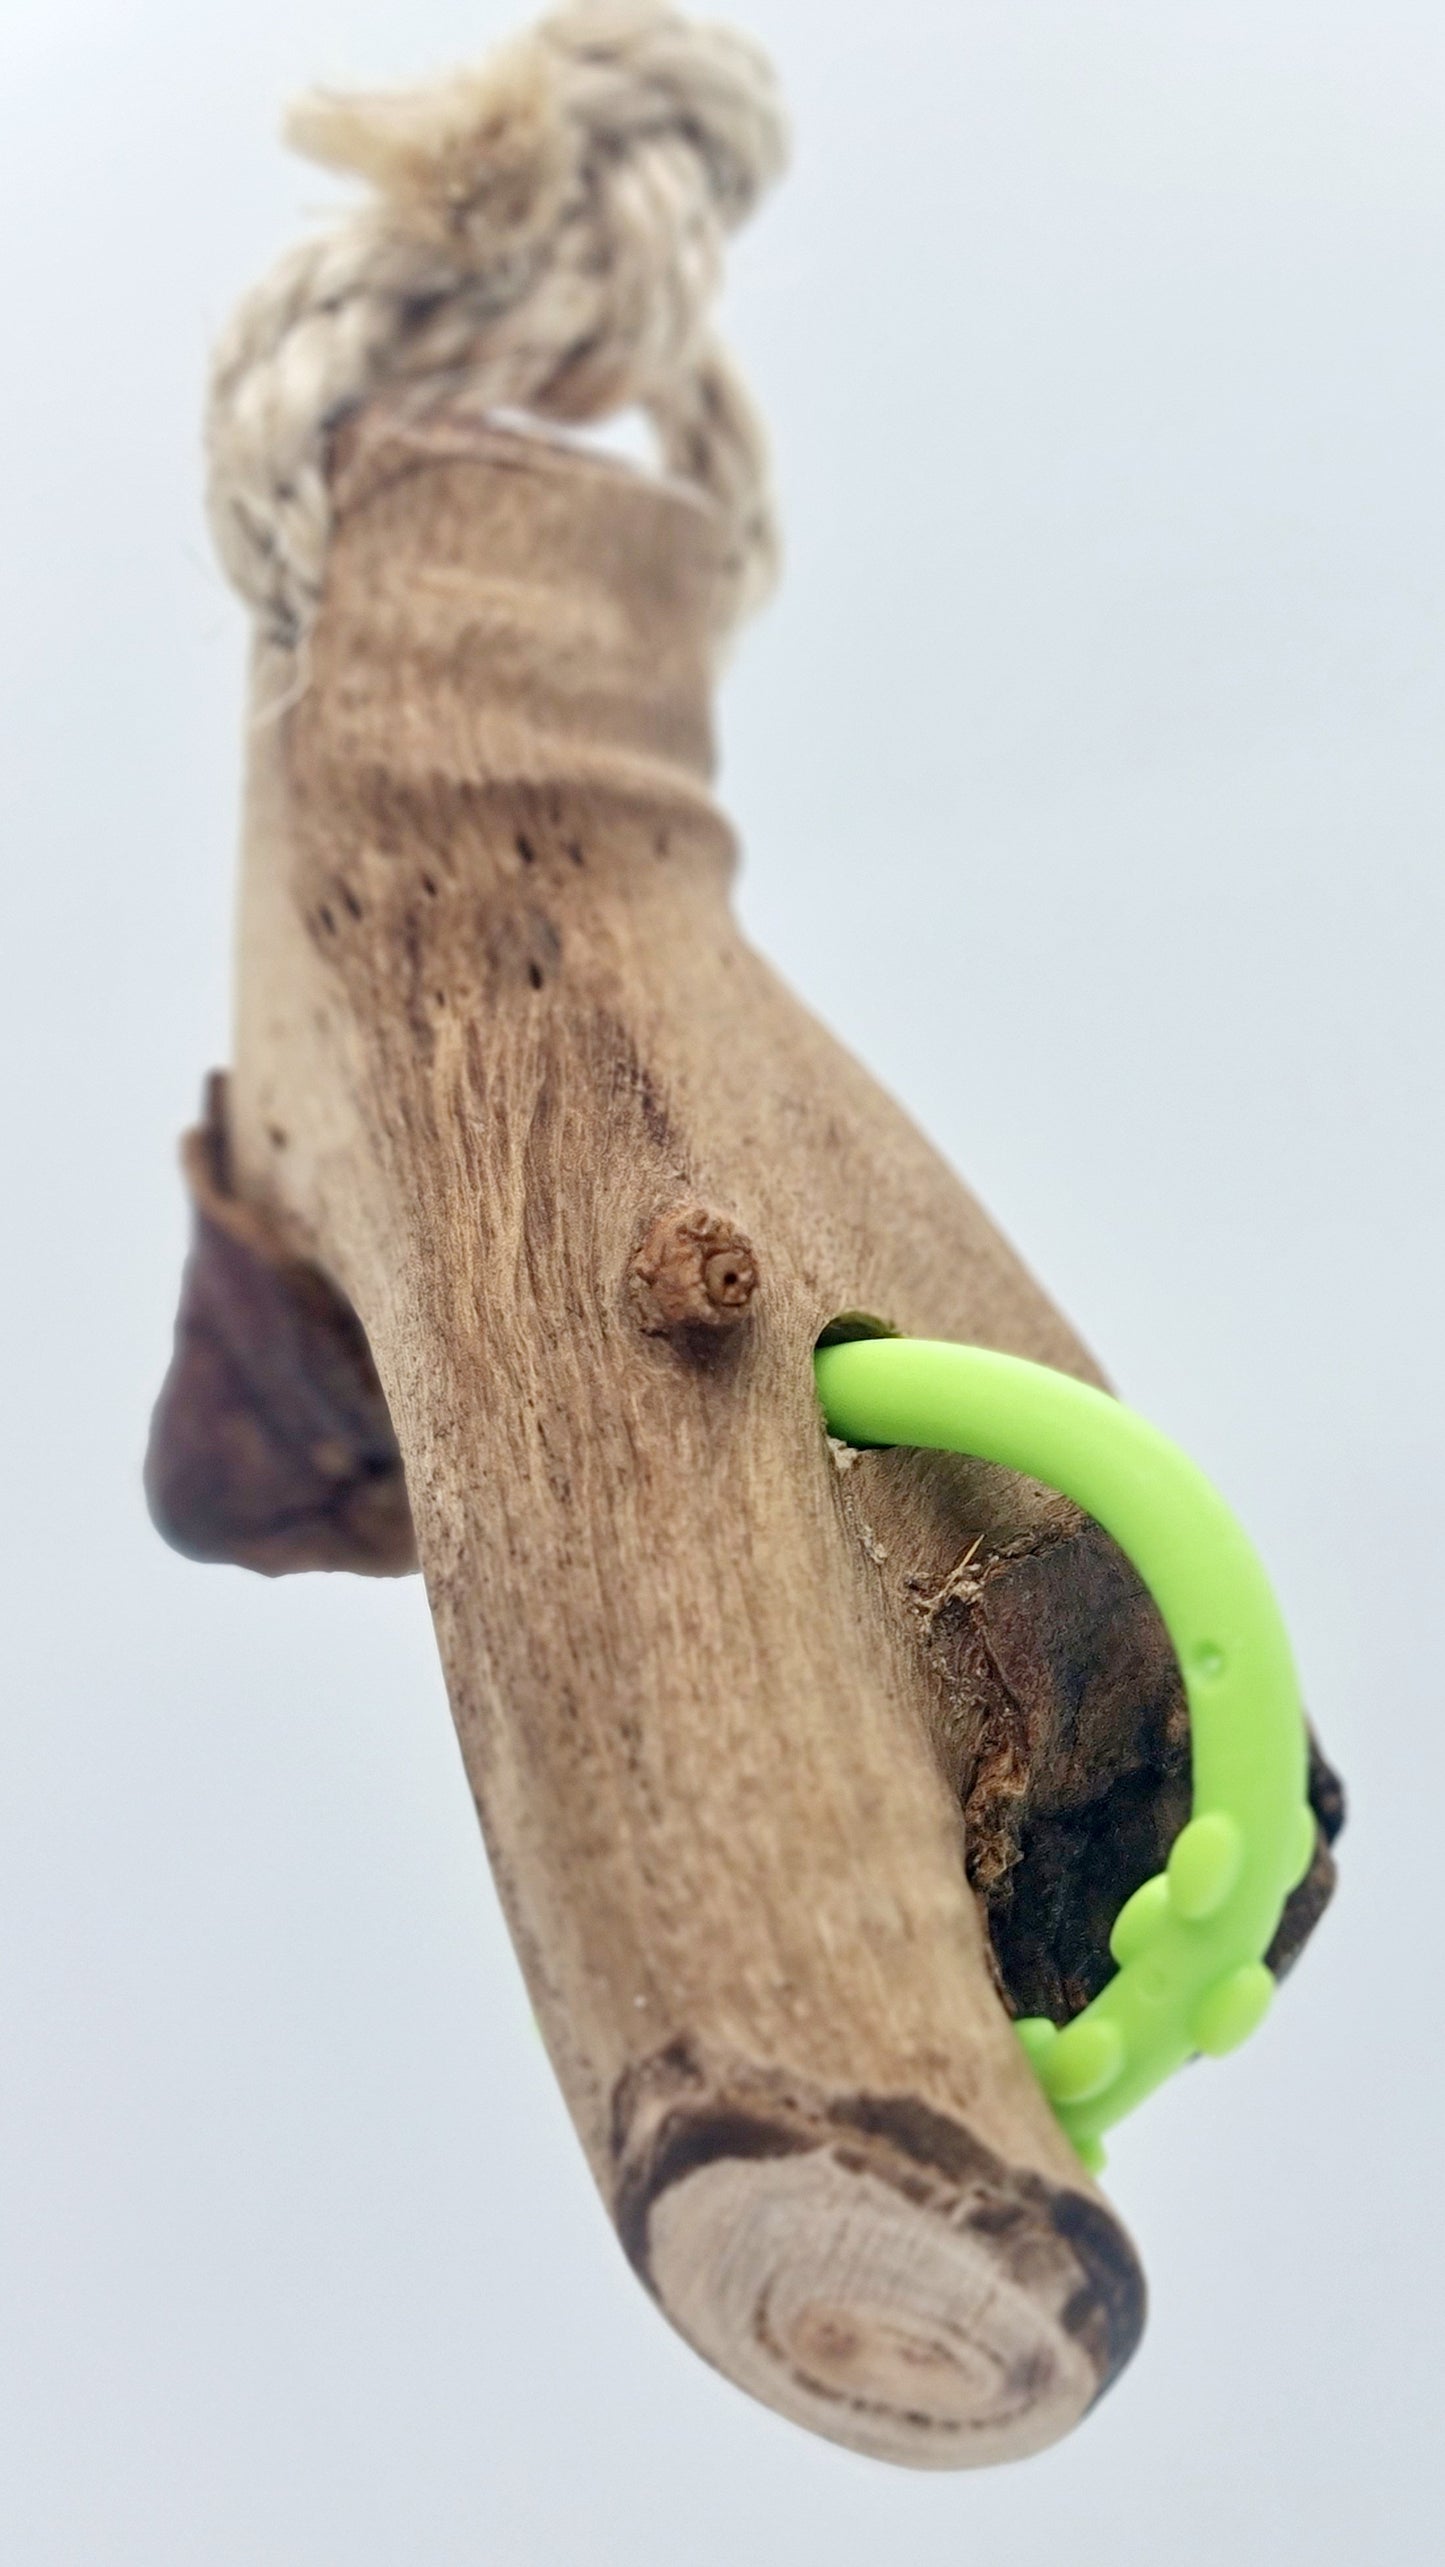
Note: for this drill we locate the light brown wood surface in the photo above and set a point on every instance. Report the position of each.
(504, 1067)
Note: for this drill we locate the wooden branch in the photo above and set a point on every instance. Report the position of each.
(592, 1183)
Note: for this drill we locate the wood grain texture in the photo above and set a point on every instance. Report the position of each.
(506, 1076)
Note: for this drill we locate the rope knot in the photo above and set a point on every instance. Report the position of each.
(544, 233)
(480, 163)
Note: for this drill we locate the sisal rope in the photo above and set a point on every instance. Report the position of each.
(544, 234)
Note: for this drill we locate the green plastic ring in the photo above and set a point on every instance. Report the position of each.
(1190, 1944)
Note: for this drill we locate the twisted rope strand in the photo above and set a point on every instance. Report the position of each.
(545, 234)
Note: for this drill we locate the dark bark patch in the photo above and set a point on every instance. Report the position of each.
(270, 1447)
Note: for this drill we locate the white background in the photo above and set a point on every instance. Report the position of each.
(1089, 767)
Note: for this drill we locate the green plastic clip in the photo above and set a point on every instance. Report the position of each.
(1190, 1943)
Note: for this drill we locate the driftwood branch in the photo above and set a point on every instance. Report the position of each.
(518, 1120)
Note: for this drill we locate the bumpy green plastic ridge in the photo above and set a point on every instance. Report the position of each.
(1190, 1943)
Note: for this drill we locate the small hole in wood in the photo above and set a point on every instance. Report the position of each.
(852, 1324)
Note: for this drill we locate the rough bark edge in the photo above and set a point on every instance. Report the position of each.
(270, 1444)
(1074, 1766)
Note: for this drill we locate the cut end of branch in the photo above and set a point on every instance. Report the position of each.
(869, 2269)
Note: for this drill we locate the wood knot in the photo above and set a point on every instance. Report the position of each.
(693, 1270)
